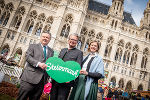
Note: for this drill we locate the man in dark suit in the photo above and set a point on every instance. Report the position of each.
(34, 75)
(60, 91)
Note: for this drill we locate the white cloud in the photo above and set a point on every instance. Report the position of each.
(137, 15)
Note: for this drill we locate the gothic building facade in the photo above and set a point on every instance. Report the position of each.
(124, 46)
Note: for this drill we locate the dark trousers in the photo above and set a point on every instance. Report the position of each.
(31, 91)
(59, 91)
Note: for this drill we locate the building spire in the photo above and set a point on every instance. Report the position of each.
(148, 5)
(146, 19)
(117, 8)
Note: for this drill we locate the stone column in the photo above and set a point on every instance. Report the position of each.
(55, 27)
(113, 51)
(77, 22)
(102, 48)
(57, 23)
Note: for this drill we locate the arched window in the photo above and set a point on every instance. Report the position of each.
(10, 35)
(112, 24)
(38, 31)
(39, 24)
(30, 22)
(33, 14)
(121, 83)
(21, 39)
(127, 53)
(17, 21)
(144, 58)
(25, 40)
(6, 14)
(86, 45)
(83, 34)
(29, 26)
(47, 27)
(116, 24)
(84, 31)
(108, 46)
(147, 35)
(140, 87)
(4, 18)
(2, 4)
(129, 86)
(133, 59)
(134, 55)
(50, 20)
(38, 28)
(65, 30)
(99, 36)
(91, 34)
(18, 18)
(82, 40)
(118, 55)
(119, 51)
(79, 45)
(42, 17)
(66, 27)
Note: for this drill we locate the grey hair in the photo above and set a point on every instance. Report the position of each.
(74, 34)
(48, 33)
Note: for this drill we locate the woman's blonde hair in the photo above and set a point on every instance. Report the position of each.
(93, 42)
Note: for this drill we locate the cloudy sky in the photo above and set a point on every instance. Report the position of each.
(135, 7)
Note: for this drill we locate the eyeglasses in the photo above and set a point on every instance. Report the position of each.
(73, 40)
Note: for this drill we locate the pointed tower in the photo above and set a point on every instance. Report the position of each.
(145, 23)
(115, 14)
(146, 19)
(117, 8)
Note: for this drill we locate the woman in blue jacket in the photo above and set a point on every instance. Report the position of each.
(92, 70)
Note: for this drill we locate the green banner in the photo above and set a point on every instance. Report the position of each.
(62, 71)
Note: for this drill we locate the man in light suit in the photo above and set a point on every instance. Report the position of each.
(60, 91)
(34, 75)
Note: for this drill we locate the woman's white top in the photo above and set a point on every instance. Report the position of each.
(87, 61)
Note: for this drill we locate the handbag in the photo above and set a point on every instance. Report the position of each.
(47, 87)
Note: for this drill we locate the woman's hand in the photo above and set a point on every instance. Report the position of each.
(84, 72)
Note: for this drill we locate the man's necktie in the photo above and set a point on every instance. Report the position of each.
(44, 52)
